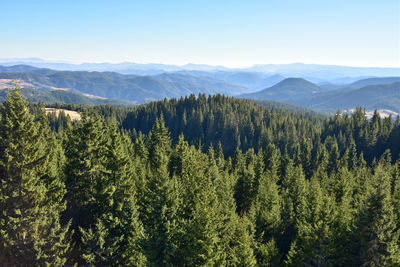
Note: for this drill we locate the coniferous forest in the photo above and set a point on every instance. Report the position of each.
(197, 181)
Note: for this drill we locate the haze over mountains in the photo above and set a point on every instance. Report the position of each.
(378, 93)
(318, 87)
(316, 71)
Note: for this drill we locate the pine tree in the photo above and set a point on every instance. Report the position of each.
(100, 183)
(313, 225)
(31, 195)
(343, 190)
(85, 175)
(244, 188)
(396, 194)
(293, 201)
(267, 219)
(160, 216)
(242, 244)
(120, 226)
(235, 234)
(201, 237)
(376, 224)
(268, 208)
(268, 254)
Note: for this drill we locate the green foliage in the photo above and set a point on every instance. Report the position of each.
(67, 97)
(116, 87)
(120, 188)
(31, 191)
(100, 183)
(376, 224)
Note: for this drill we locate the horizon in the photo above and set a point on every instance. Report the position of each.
(232, 34)
(55, 61)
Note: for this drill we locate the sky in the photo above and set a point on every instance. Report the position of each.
(215, 32)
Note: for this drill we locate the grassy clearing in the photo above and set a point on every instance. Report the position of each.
(72, 114)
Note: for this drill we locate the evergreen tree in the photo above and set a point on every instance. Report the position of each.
(376, 224)
(294, 200)
(313, 225)
(100, 182)
(31, 195)
(118, 232)
(267, 218)
(160, 217)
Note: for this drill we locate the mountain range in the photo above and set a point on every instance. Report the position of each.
(286, 89)
(132, 88)
(66, 97)
(378, 96)
(372, 93)
(168, 81)
(312, 72)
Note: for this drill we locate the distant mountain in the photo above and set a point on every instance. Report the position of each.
(348, 80)
(325, 72)
(374, 81)
(288, 88)
(329, 85)
(26, 69)
(201, 84)
(301, 92)
(124, 67)
(90, 87)
(313, 72)
(271, 80)
(382, 96)
(134, 88)
(254, 81)
(66, 97)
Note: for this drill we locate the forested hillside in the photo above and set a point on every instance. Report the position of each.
(62, 96)
(286, 89)
(381, 96)
(199, 181)
(112, 85)
(47, 85)
(372, 93)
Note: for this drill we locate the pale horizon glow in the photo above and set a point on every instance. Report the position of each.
(233, 34)
(194, 63)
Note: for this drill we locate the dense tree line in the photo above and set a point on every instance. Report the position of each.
(197, 182)
(206, 121)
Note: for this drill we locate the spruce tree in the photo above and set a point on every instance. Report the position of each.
(267, 219)
(118, 233)
(376, 225)
(101, 196)
(160, 215)
(31, 194)
(313, 225)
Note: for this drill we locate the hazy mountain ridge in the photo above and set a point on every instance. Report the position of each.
(134, 88)
(138, 89)
(325, 72)
(301, 92)
(66, 97)
(374, 81)
(288, 88)
(381, 96)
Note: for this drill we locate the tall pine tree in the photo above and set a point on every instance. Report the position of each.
(30, 230)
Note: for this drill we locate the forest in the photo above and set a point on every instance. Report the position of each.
(197, 181)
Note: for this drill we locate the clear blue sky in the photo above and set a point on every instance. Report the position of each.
(217, 32)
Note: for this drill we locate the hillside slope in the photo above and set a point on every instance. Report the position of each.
(66, 97)
(374, 81)
(288, 88)
(383, 96)
(133, 88)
